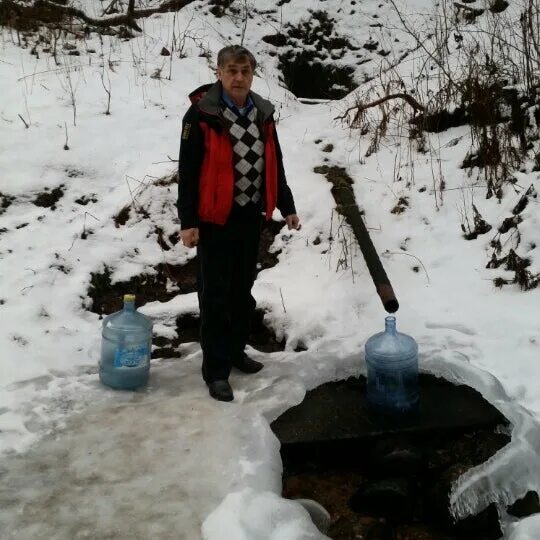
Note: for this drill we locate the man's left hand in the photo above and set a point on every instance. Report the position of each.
(293, 222)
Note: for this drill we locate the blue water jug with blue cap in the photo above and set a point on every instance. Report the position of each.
(126, 346)
(392, 371)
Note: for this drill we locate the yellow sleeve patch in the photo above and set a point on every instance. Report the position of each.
(185, 132)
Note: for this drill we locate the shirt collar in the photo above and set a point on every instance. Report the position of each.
(241, 110)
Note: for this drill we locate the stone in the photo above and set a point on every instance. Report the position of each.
(483, 526)
(334, 419)
(526, 506)
(390, 498)
(399, 461)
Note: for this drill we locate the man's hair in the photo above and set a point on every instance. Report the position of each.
(235, 52)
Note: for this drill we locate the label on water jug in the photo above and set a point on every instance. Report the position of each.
(132, 356)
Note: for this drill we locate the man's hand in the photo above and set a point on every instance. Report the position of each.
(190, 237)
(293, 222)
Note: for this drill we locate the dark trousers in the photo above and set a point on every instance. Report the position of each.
(227, 256)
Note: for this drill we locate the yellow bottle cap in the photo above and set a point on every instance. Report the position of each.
(129, 298)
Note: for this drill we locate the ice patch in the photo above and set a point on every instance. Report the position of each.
(512, 471)
(248, 515)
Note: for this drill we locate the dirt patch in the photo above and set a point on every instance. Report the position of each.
(85, 199)
(5, 202)
(168, 281)
(219, 7)
(28, 17)
(48, 199)
(107, 296)
(305, 51)
(263, 338)
(122, 217)
(187, 326)
(401, 206)
(438, 121)
(498, 6)
(308, 78)
(269, 231)
(278, 40)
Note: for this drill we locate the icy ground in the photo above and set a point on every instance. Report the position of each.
(81, 461)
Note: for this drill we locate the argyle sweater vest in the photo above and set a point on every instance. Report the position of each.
(248, 156)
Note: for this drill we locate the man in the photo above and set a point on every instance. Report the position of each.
(230, 174)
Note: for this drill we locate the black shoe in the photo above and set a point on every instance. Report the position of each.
(220, 390)
(247, 365)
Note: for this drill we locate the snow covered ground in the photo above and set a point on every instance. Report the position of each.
(82, 461)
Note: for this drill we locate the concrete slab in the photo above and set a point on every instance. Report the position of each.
(338, 412)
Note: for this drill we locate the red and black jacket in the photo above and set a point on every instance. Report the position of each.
(206, 172)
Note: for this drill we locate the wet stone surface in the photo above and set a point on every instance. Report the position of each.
(386, 478)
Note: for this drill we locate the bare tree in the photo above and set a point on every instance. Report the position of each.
(128, 19)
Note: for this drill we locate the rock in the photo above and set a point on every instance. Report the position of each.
(279, 40)
(437, 501)
(165, 52)
(391, 499)
(399, 462)
(498, 6)
(526, 506)
(371, 45)
(380, 531)
(483, 526)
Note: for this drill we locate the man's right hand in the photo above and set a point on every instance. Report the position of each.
(190, 237)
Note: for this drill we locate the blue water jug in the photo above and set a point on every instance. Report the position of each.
(392, 366)
(126, 345)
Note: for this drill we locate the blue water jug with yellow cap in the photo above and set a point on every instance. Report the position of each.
(392, 368)
(126, 346)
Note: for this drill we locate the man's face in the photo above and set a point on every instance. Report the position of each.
(236, 77)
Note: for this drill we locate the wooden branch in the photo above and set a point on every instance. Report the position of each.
(168, 5)
(109, 7)
(115, 20)
(24, 121)
(401, 95)
(128, 18)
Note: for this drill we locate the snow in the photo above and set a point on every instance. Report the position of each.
(248, 515)
(527, 529)
(169, 458)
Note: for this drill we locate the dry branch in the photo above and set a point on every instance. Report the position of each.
(24, 122)
(362, 107)
(127, 19)
(109, 7)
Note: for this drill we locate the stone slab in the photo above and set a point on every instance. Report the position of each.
(338, 412)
